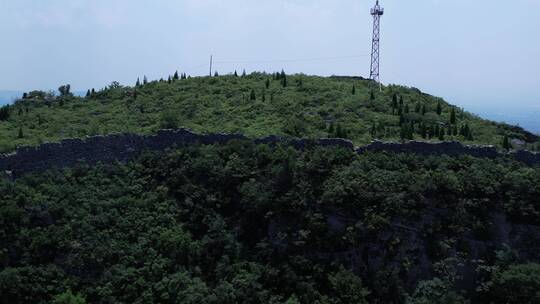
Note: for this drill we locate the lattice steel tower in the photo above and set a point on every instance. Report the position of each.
(377, 11)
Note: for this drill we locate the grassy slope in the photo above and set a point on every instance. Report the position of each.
(305, 108)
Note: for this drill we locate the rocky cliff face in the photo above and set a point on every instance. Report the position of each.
(123, 147)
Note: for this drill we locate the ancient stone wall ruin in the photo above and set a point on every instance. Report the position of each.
(123, 147)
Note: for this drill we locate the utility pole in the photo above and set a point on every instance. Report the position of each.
(377, 11)
(210, 65)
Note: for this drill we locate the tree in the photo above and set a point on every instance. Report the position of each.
(252, 95)
(65, 90)
(138, 83)
(145, 80)
(244, 73)
(24, 95)
(371, 95)
(423, 110)
(176, 77)
(20, 134)
(267, 83)
(441, 133)
(417, 108)
(439, 108)
(506, 143)
(88, 93)
(235, 73)
(283, 78)
(5, 112)
(216, 74)
(519, 284)
(169, 80)
(453, 116)
(353, 89)
(169, 120)
(347, 288)
(68, 298)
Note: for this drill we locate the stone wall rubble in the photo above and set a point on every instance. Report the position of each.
(123, 147)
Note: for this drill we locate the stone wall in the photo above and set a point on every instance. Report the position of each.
(123, 147)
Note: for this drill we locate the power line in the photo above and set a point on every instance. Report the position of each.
(292, 60)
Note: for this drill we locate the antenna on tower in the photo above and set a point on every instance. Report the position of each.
(377, 11)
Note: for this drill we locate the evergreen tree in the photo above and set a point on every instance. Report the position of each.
(216, 74)
(284, 80)
(235, 73)
(506, 143)
(252, 95)
(267, 84)
(331, 129)
(24, 95)
(93, 92)
(423, 110)
(135, 94)
(394, 101)
(169, 80)
(373, 131)
(176, 77)
(453, 116)
(417, 108)
(441, 134)
(401, 118)
(439, 108)
(353, 89)
(371, 95)
(423, 131)
(406, 109)
(264, 96)
(145, 80)
(138, 83)
(87, 93)
(400, 100)
(21, 134)
(244, 73)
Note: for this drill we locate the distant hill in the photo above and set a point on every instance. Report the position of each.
(7, 96)
(258, 104)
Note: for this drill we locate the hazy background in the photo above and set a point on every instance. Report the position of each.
(482, 54)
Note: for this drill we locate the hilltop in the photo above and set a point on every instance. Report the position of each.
(183, 217)
(256, 105)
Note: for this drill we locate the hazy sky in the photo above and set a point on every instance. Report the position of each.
(483, 51)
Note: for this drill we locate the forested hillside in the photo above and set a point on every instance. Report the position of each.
(245, 223)
(256, 105)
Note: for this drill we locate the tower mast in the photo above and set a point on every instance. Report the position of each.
(377, 11)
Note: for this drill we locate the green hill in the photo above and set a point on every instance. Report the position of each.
(257, 104)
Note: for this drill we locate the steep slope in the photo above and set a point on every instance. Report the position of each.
(256, 105)
(246, 223)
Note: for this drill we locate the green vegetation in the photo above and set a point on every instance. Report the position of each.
(257, 105)
(242, 223)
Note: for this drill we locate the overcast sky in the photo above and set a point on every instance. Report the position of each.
(469, 52)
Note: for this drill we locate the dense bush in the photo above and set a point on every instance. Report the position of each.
(251, 224)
